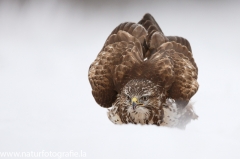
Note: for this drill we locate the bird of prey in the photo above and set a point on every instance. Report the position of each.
(145, 77)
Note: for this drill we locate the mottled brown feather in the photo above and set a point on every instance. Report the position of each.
(149, 23)
(181, 41)
(169, 63)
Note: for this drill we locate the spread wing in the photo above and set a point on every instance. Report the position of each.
(142, 51)
(185, 84)
(179, 52)
(121, 52)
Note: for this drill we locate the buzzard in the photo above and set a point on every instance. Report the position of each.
(145, 77)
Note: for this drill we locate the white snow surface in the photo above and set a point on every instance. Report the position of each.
(46, 48)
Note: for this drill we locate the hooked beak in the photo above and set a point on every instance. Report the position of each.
(135, 102)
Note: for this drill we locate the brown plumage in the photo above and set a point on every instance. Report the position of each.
(140, 54)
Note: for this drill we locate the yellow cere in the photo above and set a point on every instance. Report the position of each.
(134, 99)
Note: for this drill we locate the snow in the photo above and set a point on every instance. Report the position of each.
(46, 48)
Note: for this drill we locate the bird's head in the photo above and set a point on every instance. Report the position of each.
(139, 102)
(141, 93)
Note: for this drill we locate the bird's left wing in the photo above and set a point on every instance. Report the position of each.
(179, 70)
(185, 84)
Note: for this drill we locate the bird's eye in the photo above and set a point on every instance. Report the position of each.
(145, 98)
(128, 98)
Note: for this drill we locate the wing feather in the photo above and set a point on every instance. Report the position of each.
(149, 23)
(180, 40)
(155, 36)
(170, 62)
(178, 48)
(109, 72)
(185, 84)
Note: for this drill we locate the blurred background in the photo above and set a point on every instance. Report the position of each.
(46, 48)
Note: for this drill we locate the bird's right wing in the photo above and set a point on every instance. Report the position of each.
(117, 62)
